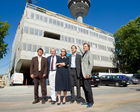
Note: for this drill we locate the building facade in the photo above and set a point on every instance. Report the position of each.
(42, 28)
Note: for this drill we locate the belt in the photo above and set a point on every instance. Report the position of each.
(52, 70)
(73, 68)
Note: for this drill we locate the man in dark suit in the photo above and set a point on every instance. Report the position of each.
(75, 73)
(51, 73)
(38, 70)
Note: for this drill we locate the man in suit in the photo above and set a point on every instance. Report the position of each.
(87, 65)
(38, 70)
(51, 73)
(75, 73)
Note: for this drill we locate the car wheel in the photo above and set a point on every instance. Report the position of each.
(125, 85)
(117, 84)
(96, 85)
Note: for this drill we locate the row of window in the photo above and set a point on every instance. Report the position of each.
(81, 42)
(33, 31)
(37, 32)
(69, 26)
(33, 48)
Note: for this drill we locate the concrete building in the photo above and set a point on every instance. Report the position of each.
(46, 29)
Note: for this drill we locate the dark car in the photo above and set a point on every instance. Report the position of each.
(113, 80)
(137, 76)
(95, 80)
(134, 80)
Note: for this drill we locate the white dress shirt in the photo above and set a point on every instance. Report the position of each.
(54, 63)
(73, 58)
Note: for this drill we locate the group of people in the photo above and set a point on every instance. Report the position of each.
(64, 73)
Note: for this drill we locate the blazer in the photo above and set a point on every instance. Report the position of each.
(87, 63)
(34, 66)
(49, 63)
(78, 64)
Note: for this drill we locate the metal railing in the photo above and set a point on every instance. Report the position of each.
(37, 8)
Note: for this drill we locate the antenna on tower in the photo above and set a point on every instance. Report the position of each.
(79, 8)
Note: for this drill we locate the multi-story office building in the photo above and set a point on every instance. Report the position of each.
(42, 28)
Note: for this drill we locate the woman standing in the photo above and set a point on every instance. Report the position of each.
(62, 81)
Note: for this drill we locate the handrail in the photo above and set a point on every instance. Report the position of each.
(43, 10)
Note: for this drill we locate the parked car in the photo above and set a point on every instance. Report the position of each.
(137, 76)
(113, 80)
(95, 80)
(134, 80)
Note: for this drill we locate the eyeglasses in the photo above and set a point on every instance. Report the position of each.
(62, 51)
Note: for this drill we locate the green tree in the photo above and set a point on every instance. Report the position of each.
(127, 46)
(3, 32)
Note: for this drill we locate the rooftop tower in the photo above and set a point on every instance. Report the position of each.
(79, 8)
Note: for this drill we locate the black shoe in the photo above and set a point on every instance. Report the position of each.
(35, 101)
(84, 103)
(89, 105)
(43, 101)
(72, 101)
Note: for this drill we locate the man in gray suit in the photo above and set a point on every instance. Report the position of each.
(75, 73)
(87, 65)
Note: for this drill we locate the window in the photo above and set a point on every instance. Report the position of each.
(54, 21)
(36, 31)
(69, 39)
(57, 51)
(32, 15)
(66, 39)
(39, 46)
(29, 47)
(62, 37)
(34, 48)
(46, 49)
(25, 29)
(24, 46)
(73, 40)
(45, 19)
(50, 21)
(51, 35)
(31, 31)
(58, 23)
(62, 24)
(40, 32)
(41, 18)
(37, 16)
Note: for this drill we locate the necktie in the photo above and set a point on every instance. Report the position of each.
(84, 53)
(52, 62)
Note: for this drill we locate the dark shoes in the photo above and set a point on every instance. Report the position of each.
(72, 101)
(35, 101)
(89, 105)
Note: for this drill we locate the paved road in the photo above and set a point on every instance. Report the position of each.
(107, 99)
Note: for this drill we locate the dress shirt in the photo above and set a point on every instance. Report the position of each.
(73, 58)
(54, 63)
(39, 63)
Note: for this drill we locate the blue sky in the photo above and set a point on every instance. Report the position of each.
(108, 15)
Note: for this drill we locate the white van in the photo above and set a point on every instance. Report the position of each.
(17, 78)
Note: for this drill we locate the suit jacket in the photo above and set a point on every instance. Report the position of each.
(78, 64)
(87, 63)
(34, 66)
(49, 63)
